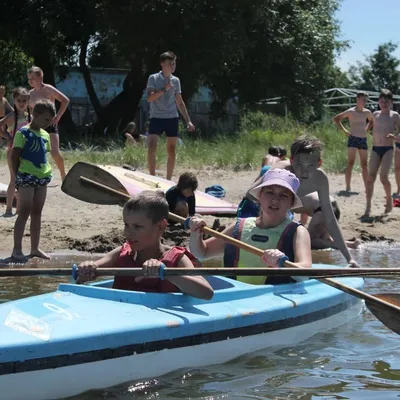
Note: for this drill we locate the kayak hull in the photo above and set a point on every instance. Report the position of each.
(90, 337)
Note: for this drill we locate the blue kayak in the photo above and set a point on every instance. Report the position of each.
(84, 337)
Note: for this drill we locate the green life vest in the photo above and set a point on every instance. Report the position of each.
(279, 237)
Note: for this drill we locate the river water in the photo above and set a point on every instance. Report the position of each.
(360, 360)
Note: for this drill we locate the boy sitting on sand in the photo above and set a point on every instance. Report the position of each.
(320, 237)
(181, 199)
(305, 163)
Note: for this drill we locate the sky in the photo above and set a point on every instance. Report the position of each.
(366, 24)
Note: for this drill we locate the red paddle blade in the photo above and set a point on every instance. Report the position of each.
(389, 316)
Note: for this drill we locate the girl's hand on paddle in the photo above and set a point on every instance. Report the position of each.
(86, 272)
(271, 257)
(197, 224)
(353, 264)
(150, 269)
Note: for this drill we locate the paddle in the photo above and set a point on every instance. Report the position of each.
(312, 273)
(385, 306)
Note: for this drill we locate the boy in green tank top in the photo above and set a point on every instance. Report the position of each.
(272, 231)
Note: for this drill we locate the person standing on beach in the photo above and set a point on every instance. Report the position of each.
(165, 97)
(385, 124)
(42, 91)
(357, 138)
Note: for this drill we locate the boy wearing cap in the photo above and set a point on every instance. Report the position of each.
(305, 163)
(385, 123)
(272, 231)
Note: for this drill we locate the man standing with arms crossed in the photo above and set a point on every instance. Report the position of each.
(165, 97)
(41, 91)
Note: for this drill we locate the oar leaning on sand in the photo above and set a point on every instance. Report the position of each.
(92, 184)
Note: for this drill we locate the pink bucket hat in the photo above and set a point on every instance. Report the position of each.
(280, 177)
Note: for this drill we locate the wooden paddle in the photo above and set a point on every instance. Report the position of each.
(85, 184)
(312, 273)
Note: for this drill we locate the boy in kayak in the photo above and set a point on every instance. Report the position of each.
(181, 198)
(273, 231)
(145, 219)
(305, 163)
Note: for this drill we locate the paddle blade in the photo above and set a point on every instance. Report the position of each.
(389, 316)
(75, 187)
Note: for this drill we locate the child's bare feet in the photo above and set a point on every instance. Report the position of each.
(17, 255)
(39, 253)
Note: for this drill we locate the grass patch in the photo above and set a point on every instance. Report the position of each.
(243, 150)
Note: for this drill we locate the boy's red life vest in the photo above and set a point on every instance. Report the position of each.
(155, 285)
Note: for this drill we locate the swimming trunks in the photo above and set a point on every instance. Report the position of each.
(335, 207)
(357, 142)
(381, 150)
(398, 145)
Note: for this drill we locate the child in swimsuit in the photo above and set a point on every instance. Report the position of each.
(14, 121)
(32, 173)
(145, 220)
(385, 122)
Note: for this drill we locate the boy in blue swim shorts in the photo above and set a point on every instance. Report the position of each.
(357, 136)
(385, 123)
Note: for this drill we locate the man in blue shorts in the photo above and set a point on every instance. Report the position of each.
(165, 97)
(358, 117)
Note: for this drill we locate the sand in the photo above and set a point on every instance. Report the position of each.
(71, 224)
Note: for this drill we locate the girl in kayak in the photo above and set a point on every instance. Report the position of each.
(273, 231)
(145, 220)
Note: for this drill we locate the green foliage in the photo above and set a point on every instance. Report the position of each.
(13, 64)
(242, 151)
(379, 70)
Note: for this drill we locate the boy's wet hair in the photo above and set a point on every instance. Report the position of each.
(282, 151)
(273, 151)
(187, 181)
(305, 144)
(35, 70)
(386, 94)
(152, 203)
(44, 105)
(130, 126)
(168, 55)
(361, 94)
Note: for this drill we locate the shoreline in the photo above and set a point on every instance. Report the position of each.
(68, 223)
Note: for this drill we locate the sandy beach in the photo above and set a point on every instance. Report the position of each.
(71, 224)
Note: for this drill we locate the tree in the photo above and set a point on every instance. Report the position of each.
(379, 70)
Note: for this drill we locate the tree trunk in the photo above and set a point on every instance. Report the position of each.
(122, 109)
(88, 80)
(41, 58)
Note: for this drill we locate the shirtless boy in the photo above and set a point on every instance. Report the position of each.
(5, 107)
(357, 139)
(319, 235)
(385, 123)
(45, 91)
(305, 163)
